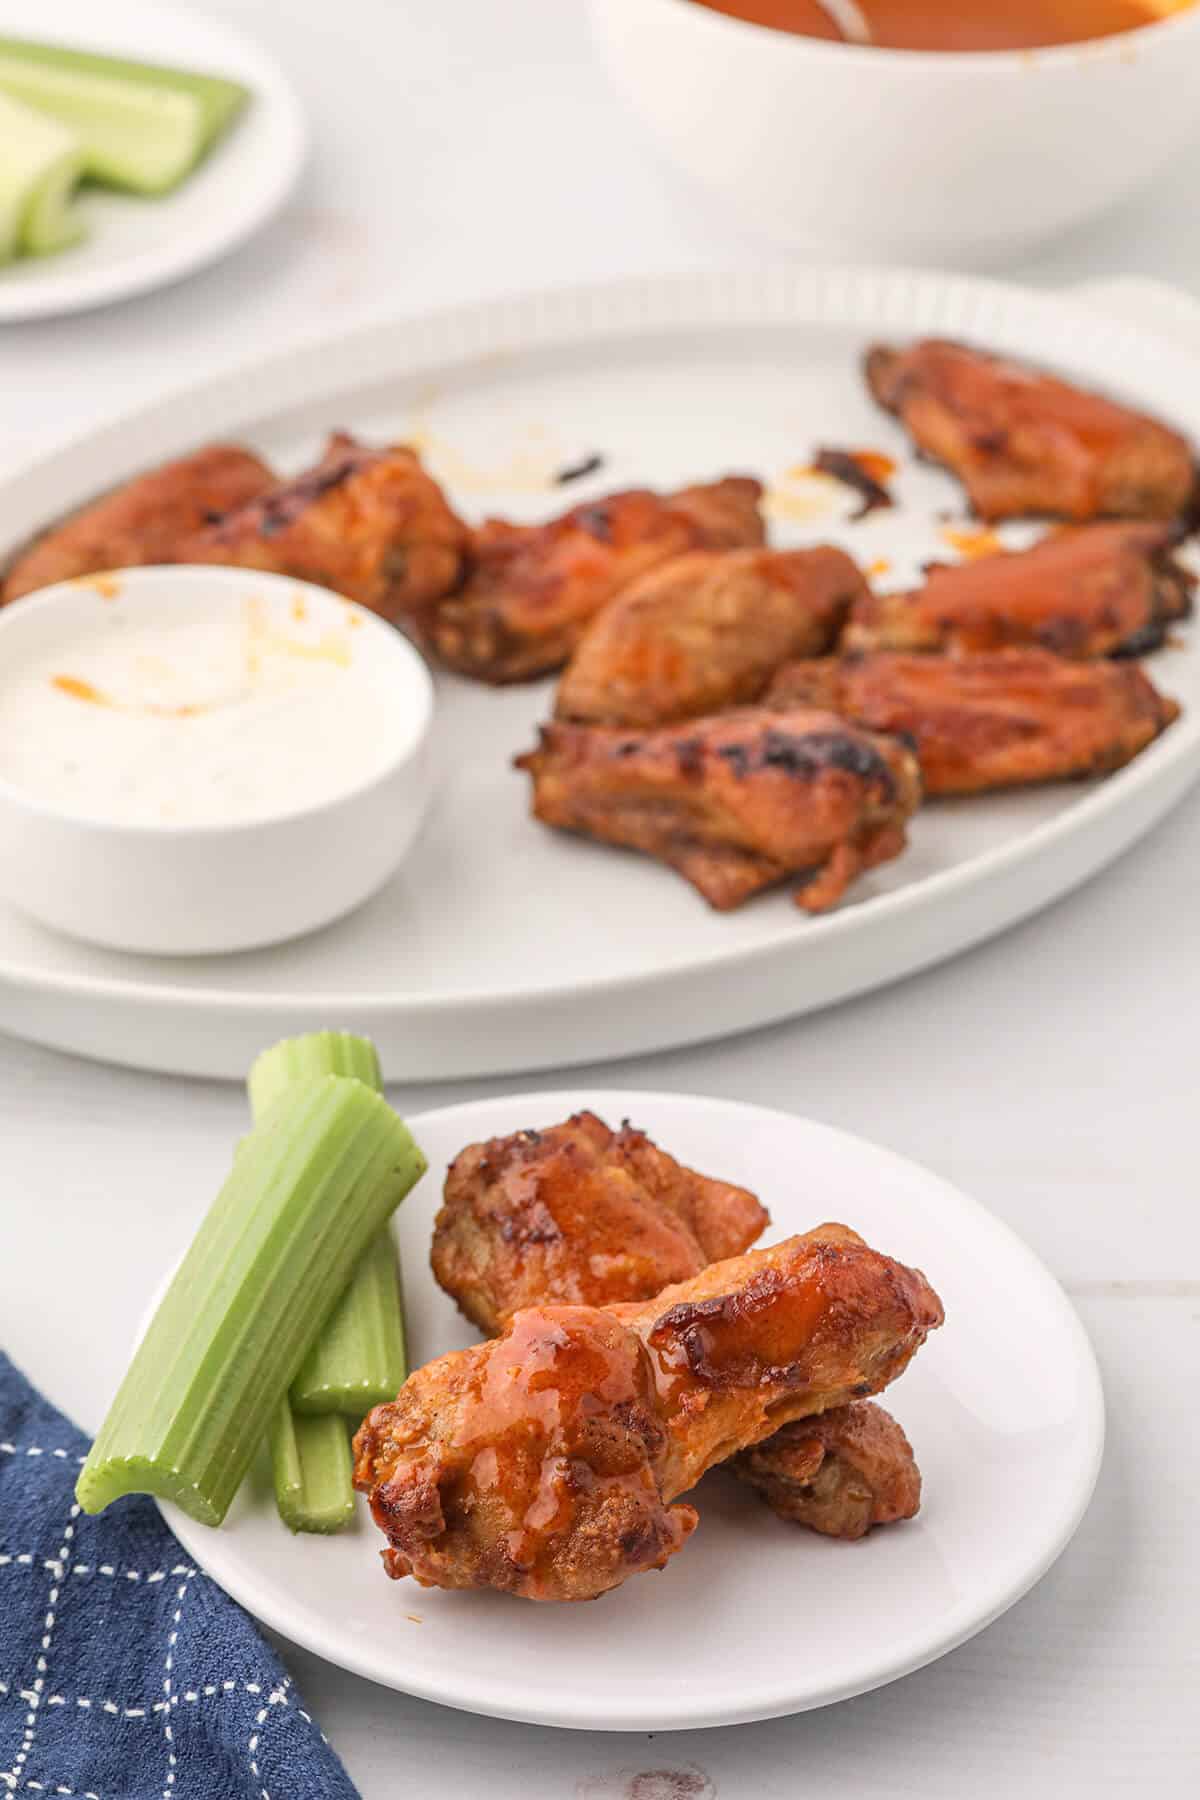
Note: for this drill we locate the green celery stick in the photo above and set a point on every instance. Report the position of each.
(359, 1359)
(314, 1182)
(132, 135)
(312, 1468)
(220, 99)
(41, 164)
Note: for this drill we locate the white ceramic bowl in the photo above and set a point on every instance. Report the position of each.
(189, 889)
(913, 154)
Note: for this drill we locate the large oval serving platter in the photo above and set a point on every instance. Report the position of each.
(502, 946)
(754, 1618)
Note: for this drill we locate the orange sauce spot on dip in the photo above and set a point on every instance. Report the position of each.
(299, 609)
(881, 566)
(79, 689)
(971, 542)
(874, 463)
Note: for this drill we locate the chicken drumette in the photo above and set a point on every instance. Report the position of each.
(1005, 719)
(705, 632)
(143, 521)
(545, 1462)
(532, 589)
(579, 1213)
(735, 803)
(839, 1473)
(1101, 590)
(370, 524)
(1023, 442)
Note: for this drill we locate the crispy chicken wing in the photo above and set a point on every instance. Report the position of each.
(735, 803)
(706, 631)
(545, 1462)
(1024, 442)
(838, 1473)
(144, 520)
(579, 1213)
(1003, 719)
(1102, 590)
(533, 588)
(370, 524)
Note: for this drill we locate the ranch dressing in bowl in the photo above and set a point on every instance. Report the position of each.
(198, 760)
(250, 712)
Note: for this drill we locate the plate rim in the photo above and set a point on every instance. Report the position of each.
(59, 294)
(915, 1652)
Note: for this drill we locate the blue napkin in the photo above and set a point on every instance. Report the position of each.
(125, 1673)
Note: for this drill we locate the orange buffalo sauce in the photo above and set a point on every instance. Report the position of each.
(960, 24)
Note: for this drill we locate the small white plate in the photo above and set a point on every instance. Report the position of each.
(133, 245)
(754, 1618)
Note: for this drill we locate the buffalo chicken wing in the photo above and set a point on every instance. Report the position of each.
(735, 803)
(1022, 442)
(1006, 719)
(839, 1473)
(545, 1463)
(532, 589)
(705, 632)
(370, 524)
(1102, 590)
(579, 1213)
(143, 521)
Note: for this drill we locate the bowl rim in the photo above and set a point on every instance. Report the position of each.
(415, 678)
(1079, 53)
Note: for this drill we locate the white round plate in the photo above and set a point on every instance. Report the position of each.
(501, 945)
(134, 245)
(1003, 1407)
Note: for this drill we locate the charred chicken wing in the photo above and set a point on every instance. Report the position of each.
(579, 1213)
(735, 803)
(1103, 590)
(371, 524)
(1024, 442)
(838, 1473)
(144, 521)
(705, 632)
(545, 1462)
(1004, 719)
(533, 588)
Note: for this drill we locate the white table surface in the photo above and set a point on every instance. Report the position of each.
(468, 146)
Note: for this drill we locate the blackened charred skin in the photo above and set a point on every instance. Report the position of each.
(596, 521)
(806, 757)
(587, 465)
(689, 756)
(279, 510)
(1152, 636)
(845, 467)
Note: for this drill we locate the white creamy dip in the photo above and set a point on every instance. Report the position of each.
(185, 719)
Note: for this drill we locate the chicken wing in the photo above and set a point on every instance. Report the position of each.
(582, 1214)
(143, 521)
(533, 588)
(1024, 442)
(545, 1462)
(1101, 590)
(735, 803)
(1005, 719)
(370, 524)
(706, 631)
(838, 1473)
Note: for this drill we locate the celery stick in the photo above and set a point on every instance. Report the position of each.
(301, 1058)
(312, 1467)
(220, 100)
(359, 1359)
(40, 166)
(133, 136)
(310, 1187)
